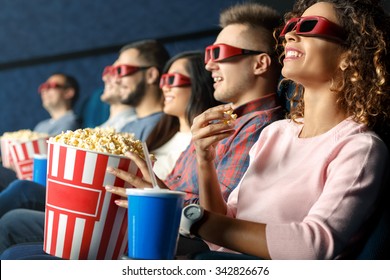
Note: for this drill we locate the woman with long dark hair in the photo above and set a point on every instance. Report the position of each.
(188, 91)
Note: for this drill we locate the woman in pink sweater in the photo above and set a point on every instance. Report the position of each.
(314, 179)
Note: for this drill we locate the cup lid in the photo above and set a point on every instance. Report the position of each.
(40, 156)
(153, 192)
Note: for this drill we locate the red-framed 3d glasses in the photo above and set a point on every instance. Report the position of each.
(108, 70)
(120, 71)
(49, 85)
(315, 26)
(174, 80)
(219, 52)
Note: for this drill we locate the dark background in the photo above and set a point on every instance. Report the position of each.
(80, 37)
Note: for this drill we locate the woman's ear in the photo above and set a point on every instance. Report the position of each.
(263, 62)
(152, 75)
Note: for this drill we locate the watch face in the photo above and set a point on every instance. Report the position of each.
(192, 212)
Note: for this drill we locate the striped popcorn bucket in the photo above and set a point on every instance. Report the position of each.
(6, 159)
(81, 219)
(22, 155)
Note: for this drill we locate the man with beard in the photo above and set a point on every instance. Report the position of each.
(120, 113)
(137, 72)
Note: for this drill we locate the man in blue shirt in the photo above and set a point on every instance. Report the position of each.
(58, 93)
(137, 72)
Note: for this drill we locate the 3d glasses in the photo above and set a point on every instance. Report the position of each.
(120, 71)
(107, 71)
(174, 80)
(220, 52)
(315, 26)
(49, 85)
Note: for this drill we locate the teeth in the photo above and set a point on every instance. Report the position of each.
(217, 79)
(168, 98)
(293, 54)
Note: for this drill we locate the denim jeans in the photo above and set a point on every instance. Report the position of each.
(27, 251)
(22, 194)
(21, 226)
(6, 177)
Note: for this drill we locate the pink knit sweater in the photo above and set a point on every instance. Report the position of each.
(315, 193)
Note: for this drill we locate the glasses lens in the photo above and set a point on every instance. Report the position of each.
(171, 80)
(216, 52)
(290, 26)
(307, 25)
(50, 85)
(119, 71)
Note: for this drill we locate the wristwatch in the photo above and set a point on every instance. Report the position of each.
(189, 216)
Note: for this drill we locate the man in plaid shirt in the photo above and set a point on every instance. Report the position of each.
(246, 73)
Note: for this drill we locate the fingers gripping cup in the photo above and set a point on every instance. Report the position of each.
(153, 223)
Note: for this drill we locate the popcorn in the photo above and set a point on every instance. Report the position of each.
(24, 135)
(104, 140)
(232, 116)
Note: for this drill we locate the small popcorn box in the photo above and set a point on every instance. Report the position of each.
(13, 137)
(22, 156)
(82, 220)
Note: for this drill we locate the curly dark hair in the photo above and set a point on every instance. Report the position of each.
(363, 88)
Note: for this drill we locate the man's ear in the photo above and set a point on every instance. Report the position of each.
(152, 75)
(262, 63)
(69, 93)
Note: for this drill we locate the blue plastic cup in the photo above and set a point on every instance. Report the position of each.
(153, 223)
(40, 169)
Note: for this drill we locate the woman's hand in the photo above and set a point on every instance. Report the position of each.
(132, 179)
(209, 128)
(118, 191)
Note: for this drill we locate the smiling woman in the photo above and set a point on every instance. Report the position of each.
(350, 93)
(188, 91)
(338, 163)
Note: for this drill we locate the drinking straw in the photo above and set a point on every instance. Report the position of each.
(149, 164)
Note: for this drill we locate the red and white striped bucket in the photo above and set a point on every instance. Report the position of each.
(22, 156)
(81, 220)
(6, 159)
